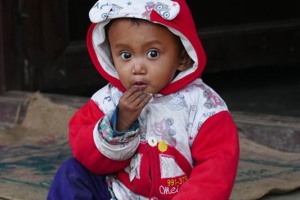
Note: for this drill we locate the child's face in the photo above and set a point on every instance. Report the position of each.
(145, 55)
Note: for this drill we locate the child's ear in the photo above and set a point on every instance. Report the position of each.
(185, 61)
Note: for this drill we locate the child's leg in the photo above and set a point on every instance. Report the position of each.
(73, 181)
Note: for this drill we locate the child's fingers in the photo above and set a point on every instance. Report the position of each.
(134, 96)
(144, 99)
(130, 91)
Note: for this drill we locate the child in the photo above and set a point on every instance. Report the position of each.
(156, 131)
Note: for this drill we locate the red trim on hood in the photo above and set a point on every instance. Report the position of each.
(184, 23)
(116, 82)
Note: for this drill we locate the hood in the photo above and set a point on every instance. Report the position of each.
(175, 15)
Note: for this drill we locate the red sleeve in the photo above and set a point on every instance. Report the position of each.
(81, 128)
(215, 152)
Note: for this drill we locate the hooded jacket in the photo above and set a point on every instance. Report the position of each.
(185, 144)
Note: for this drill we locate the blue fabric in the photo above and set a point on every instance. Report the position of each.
(73, 181)
(113, 121)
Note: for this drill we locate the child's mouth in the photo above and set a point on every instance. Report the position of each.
(140, 85)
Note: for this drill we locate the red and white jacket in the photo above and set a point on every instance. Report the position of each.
(185, 143)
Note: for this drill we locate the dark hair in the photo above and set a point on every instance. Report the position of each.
(136, 21)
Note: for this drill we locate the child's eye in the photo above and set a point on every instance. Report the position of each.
(153, 54)
(125, 55)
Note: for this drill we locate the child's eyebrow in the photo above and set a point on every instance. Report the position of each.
(146, 43)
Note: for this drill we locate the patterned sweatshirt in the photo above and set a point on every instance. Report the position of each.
(184, 144)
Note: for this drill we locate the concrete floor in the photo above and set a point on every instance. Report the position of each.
(295, 195)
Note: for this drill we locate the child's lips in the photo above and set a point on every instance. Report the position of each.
(140, 85)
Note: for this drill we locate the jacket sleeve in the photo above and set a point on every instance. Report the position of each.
(81, 139)
(215, 153)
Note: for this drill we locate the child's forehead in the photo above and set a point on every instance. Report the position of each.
(139, 26)
(132, 27)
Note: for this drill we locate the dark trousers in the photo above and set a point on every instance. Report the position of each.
(74, 181)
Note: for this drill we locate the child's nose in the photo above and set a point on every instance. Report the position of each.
(138, 67)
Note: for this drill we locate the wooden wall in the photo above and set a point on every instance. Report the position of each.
(2, 77)
(32, 35)
(42, 43)
(6, 46)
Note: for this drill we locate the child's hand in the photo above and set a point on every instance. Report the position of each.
(130, 106)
